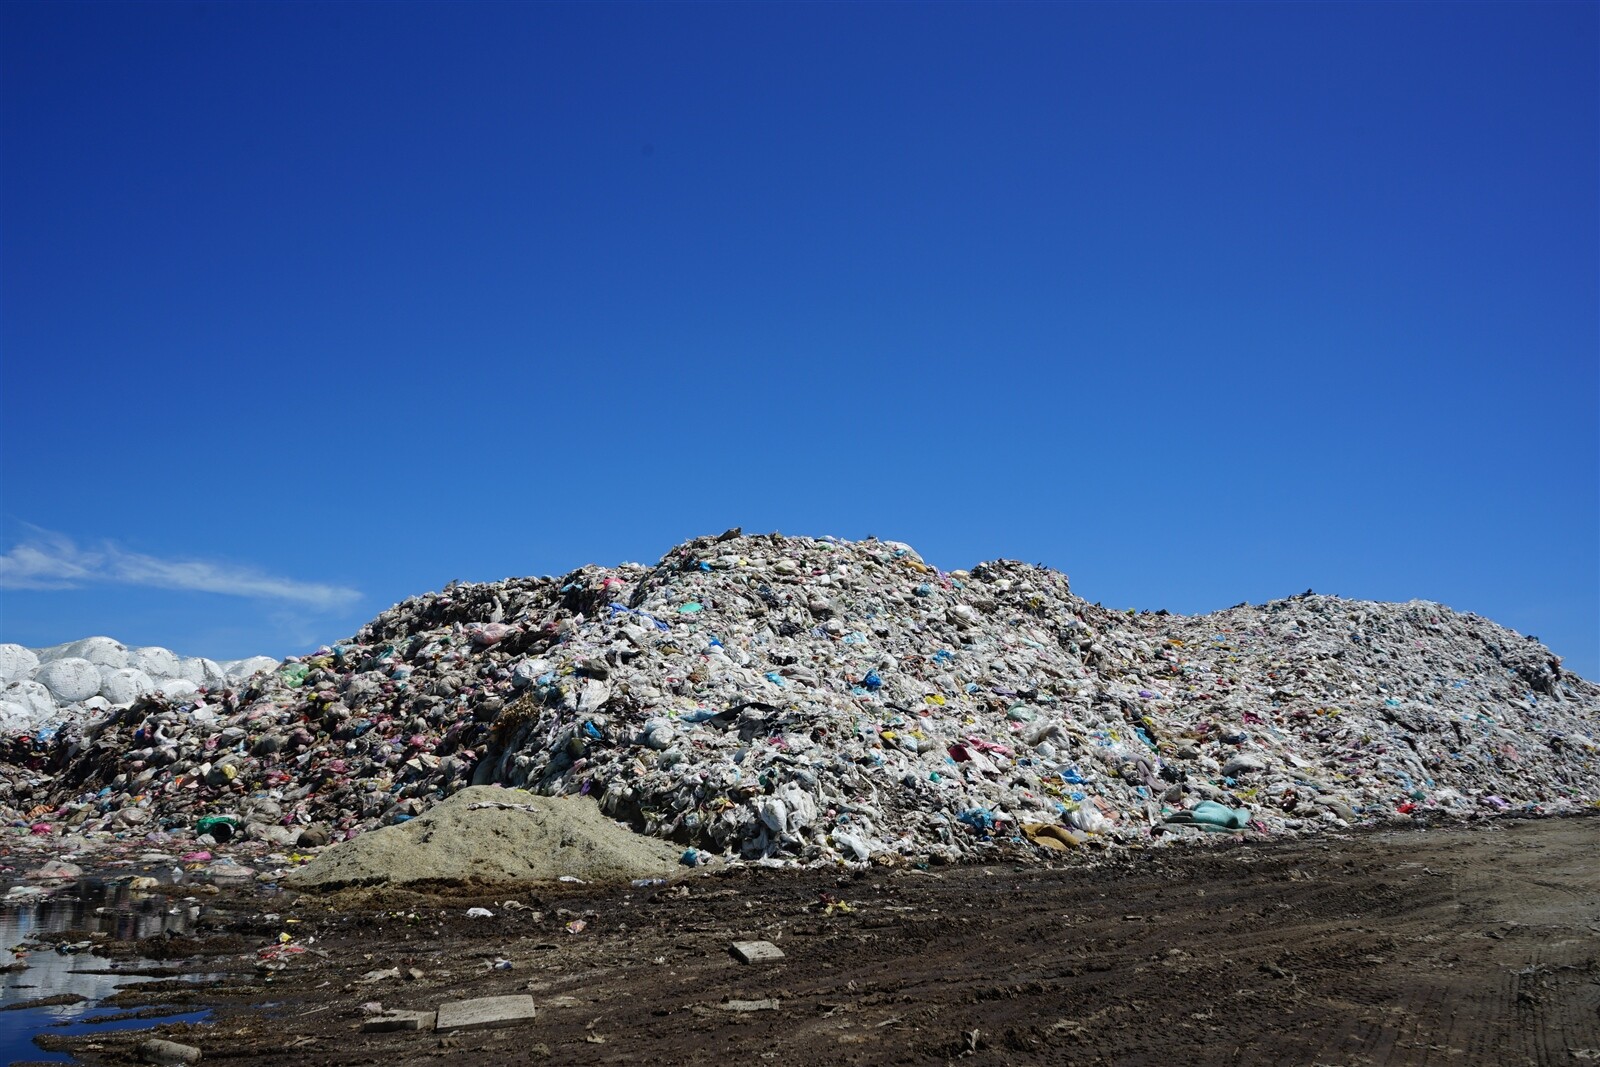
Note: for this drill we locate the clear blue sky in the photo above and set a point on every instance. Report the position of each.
(308, 308)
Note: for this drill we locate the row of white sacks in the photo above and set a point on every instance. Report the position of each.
(43, 686)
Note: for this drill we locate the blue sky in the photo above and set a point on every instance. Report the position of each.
(308, 308)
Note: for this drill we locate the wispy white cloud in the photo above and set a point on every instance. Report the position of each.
(52, 561)
(48, 561)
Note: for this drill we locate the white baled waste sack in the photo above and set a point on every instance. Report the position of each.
(16, 662)
(69, 679)
(77, 681)
(125, 685)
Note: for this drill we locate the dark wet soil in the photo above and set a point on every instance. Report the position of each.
(1443, 946)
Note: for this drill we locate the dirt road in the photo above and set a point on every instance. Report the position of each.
(1446, 946)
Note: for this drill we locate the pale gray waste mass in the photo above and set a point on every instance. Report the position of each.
(45, 688)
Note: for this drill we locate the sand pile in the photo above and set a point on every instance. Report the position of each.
(493, 835)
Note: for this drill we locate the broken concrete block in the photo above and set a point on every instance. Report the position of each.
(756, 951)
(485, 1013)
(770, 1004)
(395, 1020)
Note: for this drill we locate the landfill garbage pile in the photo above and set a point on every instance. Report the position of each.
(796, 700)
(42, 688)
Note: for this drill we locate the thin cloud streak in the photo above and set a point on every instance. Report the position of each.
(52, 561)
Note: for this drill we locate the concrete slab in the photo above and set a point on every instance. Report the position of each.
(392, 1021)
(752, 1005)
(485, 1013)
(756, 951)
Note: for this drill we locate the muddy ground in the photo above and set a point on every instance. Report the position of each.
(1447, 946)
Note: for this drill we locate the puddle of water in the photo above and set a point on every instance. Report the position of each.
(90, 907)
(19, 1027)
(90, 1026)
(16, 1039)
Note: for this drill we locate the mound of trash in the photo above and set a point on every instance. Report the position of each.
(798, 700)
(44, 687)
(493, 835)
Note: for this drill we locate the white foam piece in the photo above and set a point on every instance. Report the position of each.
(69, 679)
(16, 662)
(155, 661)
(125, 685)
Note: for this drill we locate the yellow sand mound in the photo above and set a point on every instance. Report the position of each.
(492, 834)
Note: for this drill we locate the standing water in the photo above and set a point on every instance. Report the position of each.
(31, 970)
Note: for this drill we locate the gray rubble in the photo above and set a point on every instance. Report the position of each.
(793, 700)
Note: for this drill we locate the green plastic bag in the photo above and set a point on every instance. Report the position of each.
(1210, 813)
